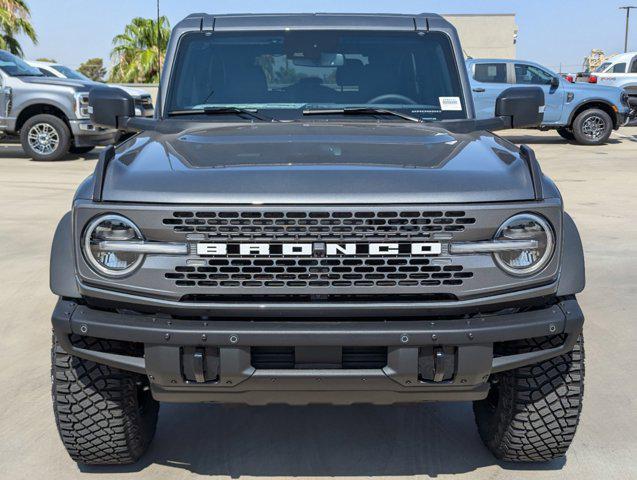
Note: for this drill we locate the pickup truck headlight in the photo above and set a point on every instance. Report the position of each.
(82, 105)
(105, 243)
(527, 261)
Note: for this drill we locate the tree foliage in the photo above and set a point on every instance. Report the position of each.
(94, 69)
(15, 19)
(47, 60)
(136, 54)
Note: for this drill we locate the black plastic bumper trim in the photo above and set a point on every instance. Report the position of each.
(335, 309)
(71, 318)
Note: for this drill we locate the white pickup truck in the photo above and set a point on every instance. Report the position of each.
(619, 71)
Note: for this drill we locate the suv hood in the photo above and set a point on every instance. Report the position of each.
(316, 163)
(592, 89)
(60, 82)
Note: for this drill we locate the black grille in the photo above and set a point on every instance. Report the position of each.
(364, 357)
(144, 102)
(318, 225)
(272, 358)
(319, 272)
(353, 358)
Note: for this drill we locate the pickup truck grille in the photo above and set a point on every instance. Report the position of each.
(324, 272)
(318, 225)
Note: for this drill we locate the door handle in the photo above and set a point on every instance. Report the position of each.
(479, 90)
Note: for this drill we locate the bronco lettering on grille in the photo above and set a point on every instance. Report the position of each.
(317, 249)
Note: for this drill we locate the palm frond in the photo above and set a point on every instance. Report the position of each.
(135, 52)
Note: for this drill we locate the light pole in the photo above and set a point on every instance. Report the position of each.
(628, 9)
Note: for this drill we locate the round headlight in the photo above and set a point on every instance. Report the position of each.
(111, 262)
(526, 261)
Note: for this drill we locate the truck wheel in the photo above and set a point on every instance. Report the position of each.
(80, 150)
(105, 416)
(566, 134)
(45, 137)
(592, 127)
(531, 413)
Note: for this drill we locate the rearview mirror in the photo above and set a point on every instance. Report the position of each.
(325, 60)
(110, 107)
(521, 107)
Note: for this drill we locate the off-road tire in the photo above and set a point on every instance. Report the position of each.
(531, 413)
(105, 416)
(80, 150)
(63, 132)
(586, 115)
(566, 134)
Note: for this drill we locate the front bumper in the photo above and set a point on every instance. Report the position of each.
(234, 379)
(632, 103)
(86, 134)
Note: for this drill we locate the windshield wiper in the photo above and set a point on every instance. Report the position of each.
(361, 111)
(222, 111)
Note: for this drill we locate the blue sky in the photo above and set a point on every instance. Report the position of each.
(550, 31)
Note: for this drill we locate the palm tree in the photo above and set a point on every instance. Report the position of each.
(15, 19)
(136, 55)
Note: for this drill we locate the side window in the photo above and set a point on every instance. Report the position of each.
(46, 73)
(619, 68)
(531, 75)
(490, 72)
(633, 67)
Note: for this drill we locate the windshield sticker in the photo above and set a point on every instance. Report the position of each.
(450, 104)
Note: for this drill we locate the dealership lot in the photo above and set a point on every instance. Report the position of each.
(599, 185)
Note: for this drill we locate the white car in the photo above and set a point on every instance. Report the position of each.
(143, 100)
(619, 71)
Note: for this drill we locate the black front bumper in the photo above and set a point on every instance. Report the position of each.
(167, 343)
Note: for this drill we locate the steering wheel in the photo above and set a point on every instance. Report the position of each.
(392, 96)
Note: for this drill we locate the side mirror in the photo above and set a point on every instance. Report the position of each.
(521, 107)
(555, 82)
(110, 107)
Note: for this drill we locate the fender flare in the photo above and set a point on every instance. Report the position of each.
(571, 116)
(573, 271)
(52, 101)
(62, 279)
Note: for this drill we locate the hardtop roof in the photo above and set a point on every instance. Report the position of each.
(280, 21)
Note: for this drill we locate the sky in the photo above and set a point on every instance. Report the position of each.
(551, 32)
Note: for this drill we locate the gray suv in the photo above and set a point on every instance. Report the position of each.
(315, 215)
(50, 115)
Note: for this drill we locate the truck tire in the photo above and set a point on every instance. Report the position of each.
(80, 150)
(45, 137)
(592, 127)
(566, 134)
(531, 413)
(105, 416)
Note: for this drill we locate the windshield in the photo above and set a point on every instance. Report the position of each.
(16, 67)
(69, 72)
(411, 72)
(602, 67)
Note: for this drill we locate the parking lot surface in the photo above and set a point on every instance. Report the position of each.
(599, 185)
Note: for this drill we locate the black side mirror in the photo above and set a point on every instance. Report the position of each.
(110, 107)
(555, 82)
(521, 107)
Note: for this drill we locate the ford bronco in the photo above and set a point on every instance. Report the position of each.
(315, 215)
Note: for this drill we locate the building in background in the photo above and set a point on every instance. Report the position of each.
(486, 36)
